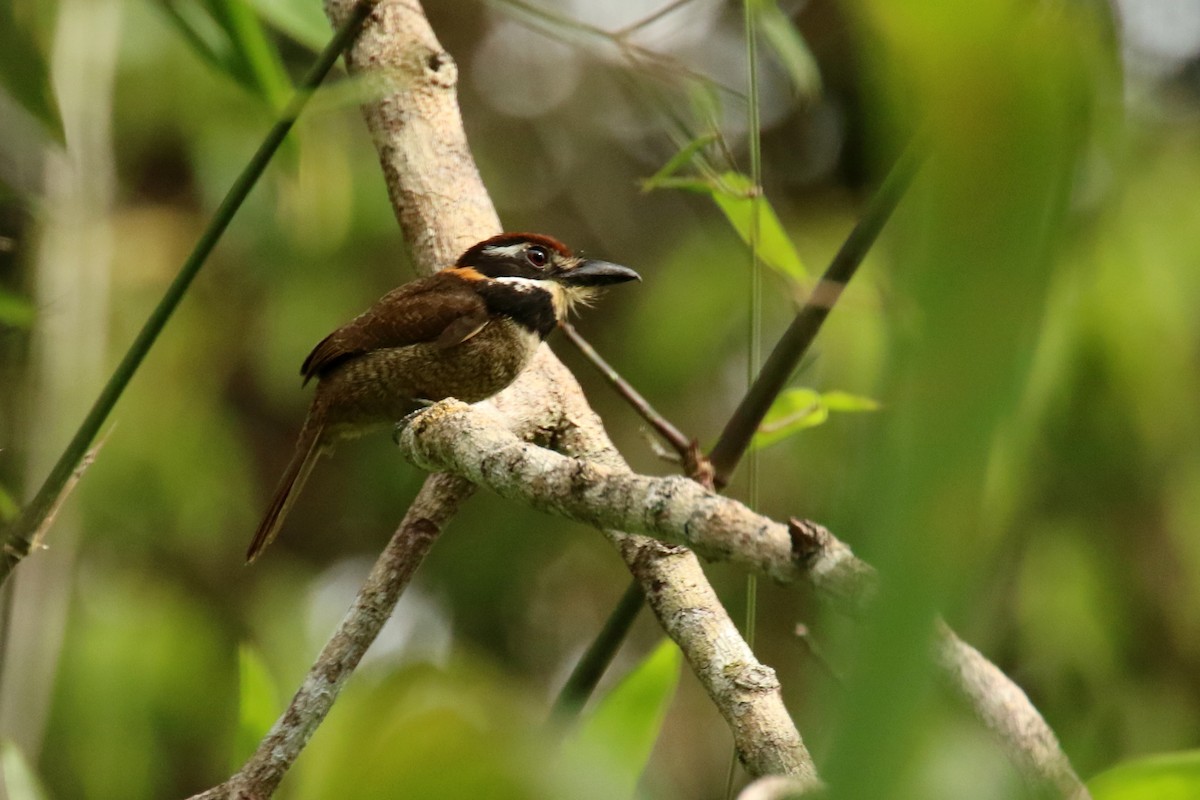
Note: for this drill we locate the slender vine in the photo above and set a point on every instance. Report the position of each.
(754, 356)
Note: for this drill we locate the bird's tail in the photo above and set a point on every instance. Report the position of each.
(308, 449)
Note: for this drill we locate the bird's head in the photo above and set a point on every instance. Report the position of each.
(533, 262)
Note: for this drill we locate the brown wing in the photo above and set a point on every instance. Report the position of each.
(442, 308)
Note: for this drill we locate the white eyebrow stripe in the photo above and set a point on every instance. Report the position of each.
(505, 251)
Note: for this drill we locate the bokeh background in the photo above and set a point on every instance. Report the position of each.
(1028, 325)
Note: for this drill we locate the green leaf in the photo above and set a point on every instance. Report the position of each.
(8, 506)
(302, 20)
(789, 48)
(735, 198)
(626, 722)
(844, 401)
(1167, 776)
(200, 31)
(697, 185)
(678, 161)
(793, 411)
(797, 409)
(15, 311)
(258, 705)
(255, 51)
(25, 71)
(20, 781)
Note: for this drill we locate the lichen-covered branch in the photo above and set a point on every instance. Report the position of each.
(466, 440)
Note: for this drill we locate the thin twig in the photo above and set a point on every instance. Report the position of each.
(818, 653)
(685, 447)
(88, 459)
(32, 519)
(754, 331)
(650, 18)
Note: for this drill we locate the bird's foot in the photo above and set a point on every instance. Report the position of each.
(420, 406)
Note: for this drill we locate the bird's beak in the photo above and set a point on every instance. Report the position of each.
(591, 272)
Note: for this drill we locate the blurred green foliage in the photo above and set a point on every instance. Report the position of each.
(303, 21)
(452, 731)
(15, 311)
(1174, 776)
(229, 36)
(625, 724)
(24, 70)
(1002, 95)
(258, 702)
(1028, 328)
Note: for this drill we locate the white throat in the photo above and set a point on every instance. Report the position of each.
(564, 298)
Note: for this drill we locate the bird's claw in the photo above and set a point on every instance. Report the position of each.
(421, 405)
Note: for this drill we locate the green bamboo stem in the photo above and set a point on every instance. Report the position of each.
(735, 439)
(21, 532)
(592, 665)
(754, 356)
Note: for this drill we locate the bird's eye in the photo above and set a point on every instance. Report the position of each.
(537, 256)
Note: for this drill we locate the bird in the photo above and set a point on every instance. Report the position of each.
(465, 332)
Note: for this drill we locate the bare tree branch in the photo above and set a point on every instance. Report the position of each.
(1005, 710)
(777, 787)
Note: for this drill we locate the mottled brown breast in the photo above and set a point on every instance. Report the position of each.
(382, 386)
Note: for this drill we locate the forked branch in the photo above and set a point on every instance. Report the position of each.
(467, 441)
